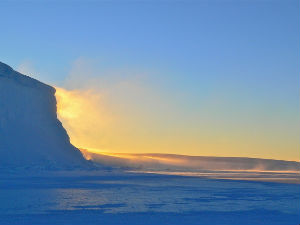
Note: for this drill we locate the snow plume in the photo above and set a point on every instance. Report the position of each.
(83, 114)
(103, 108)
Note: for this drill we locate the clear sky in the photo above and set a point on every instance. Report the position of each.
(187, 77)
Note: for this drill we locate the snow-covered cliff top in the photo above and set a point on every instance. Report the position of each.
(8, 72)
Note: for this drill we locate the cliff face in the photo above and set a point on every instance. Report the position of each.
(30, 133)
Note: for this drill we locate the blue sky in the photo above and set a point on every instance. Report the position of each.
(243, 53)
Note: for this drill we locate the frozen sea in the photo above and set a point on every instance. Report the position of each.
(115, 197)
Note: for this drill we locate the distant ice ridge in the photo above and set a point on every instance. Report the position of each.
(31, 136)
(233, 168)
(158, 161)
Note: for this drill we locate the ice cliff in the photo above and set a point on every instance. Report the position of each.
(31, 136)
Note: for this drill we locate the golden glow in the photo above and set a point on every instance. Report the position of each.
(167, 160)
(69, 104)
(135, 158)
(113, 122)
(83, 115)
(117, 155)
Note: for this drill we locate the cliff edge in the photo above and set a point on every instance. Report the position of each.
(30, 133)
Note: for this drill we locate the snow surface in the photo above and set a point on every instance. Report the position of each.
(118, 198)
(30, 133)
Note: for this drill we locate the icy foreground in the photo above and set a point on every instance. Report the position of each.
(31, 134)
(112, 198)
